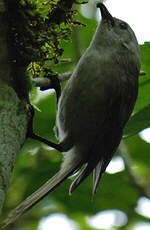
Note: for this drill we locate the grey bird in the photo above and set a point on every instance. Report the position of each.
(94, 107)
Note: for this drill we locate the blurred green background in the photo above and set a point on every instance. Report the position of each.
(119, 192)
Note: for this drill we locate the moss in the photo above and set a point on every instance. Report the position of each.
(36, 28)
(35, 31)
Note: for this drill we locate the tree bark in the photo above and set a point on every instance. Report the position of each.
(14, 114)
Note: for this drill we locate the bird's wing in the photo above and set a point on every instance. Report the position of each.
(85, 100)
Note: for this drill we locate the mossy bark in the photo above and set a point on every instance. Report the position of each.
(14, 115)
(16, 52)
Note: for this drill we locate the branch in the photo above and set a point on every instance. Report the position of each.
(47, 83)
(65, 76)
(135, 179)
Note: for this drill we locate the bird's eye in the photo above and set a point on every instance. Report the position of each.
(123, 26)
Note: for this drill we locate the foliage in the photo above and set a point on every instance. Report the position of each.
(140, 118)
(36, 163)
(37, 29)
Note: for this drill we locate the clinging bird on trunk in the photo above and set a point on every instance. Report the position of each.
(94, 106)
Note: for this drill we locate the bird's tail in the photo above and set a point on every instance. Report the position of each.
(35, 197)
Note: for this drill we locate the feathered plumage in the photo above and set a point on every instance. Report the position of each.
(94, 106)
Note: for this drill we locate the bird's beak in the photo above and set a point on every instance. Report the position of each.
(105, 13)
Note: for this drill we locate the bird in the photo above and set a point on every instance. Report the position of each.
(94, 107)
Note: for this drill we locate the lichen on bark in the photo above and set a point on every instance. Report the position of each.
(14, 112)
(13, 123)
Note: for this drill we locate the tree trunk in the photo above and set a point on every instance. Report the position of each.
(14, 115)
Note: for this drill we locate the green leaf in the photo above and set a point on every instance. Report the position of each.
(141, 114)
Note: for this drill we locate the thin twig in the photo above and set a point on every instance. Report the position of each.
(65, 76)
(135, 179)
(41, 82)
(77, 44)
